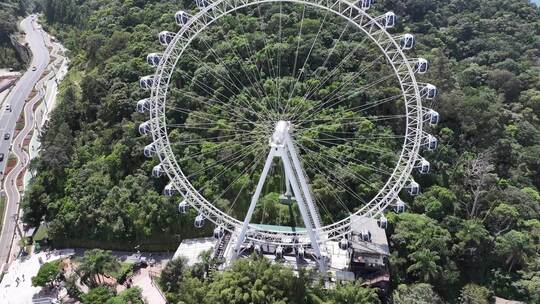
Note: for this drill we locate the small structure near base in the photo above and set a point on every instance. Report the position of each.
(364, 258)
(191, 249)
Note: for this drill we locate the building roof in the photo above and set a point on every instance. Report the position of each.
(192, 248)
(504, 301)
(379, 242)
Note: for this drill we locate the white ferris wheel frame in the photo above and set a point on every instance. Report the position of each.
(386, 196)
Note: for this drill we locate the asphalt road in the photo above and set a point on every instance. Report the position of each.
(16, 99)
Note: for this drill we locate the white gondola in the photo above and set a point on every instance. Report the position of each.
(144, 127)
(406, 41)
(431, 142)
(423, 166)
(383, 222)
(433, 117)
(202, 3)
(181, 17)
(421, 66)
(389, 20)
(301, 252)
(143, 105)
(400, 206)
(429, 91)
(344, 244)
(157, 171)
(218, 232)
(146, 82)
(365, 235)
(153, 59)
(183, 207)
(169, 190)
(279, 252)
(414, 188)
(363, 4)
(199, 221)
(149, 150)
(165, 37)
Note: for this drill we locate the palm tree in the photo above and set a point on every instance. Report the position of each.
(94, 263)
(514, 247)
(425, 264)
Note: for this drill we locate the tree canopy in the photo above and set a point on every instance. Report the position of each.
(476, 221)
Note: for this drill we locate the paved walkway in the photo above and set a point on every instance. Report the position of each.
(23, 270)
(149, 291)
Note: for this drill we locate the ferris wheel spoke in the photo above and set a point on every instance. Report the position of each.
(225, 106)
(325, 168)
(251, 54)
(315, 166)
(375, 103)
(336, 180)
(356, 74)
(251, 171)
(343, 166)
(219, 59)
(279, 58)
(318, 84)
(209, 139)
(232, 109)
(298, 38)
(231, 82)
(265, 48)
(334, 95)
(298, 45)
(363, 137)
(337, 99)
(259, 90)
(238, 133)
(206, 116)
(359, 162)
(358, 146)
(217, 148)
(241, 153)
(342, 120)
(308, 56)
(251, 164)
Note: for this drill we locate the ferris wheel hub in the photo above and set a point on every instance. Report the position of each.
(281, 130)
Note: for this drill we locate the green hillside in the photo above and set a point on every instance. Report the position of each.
(476, 221)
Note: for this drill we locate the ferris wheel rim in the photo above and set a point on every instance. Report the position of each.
(385, 196)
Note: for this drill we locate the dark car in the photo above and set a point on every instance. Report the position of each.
(7, 136)
(1, 157)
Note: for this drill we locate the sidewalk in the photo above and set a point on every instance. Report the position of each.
(12, 292)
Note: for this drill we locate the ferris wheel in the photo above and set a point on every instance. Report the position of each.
(313, 100)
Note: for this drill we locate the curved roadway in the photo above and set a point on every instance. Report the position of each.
(8, 119)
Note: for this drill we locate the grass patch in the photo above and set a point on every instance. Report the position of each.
(2, 208)
(12, 157)
(19, 125)
(41, 234)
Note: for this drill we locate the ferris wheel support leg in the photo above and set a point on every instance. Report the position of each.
(303, 184)
(254, 200)
(299, 199)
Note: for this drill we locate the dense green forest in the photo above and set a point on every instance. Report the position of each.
(10, 12)
(474, 230)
